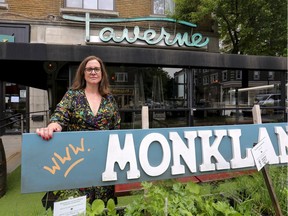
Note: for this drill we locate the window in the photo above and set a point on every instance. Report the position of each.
(91, 4)
(224, 75)
(205, 80)
(121, 77)
(214, 78)
(3, 4)
(205, 70)
(238, 74)
(256, 75)
(271, 75)
(163, 7)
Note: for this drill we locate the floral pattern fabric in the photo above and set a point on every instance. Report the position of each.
(73, 113)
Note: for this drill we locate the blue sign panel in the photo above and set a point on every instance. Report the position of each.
(7, 38)
(91, 158)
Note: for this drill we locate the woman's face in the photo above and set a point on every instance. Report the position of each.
(93, 73)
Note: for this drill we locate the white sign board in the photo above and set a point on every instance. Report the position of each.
(70, 207)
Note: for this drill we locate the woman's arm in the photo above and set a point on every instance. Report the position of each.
(59, 118)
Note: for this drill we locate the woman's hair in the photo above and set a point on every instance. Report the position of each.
(80, 82)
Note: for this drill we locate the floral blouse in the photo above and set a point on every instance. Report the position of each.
(73, 113)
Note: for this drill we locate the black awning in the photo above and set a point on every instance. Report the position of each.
(139, 56)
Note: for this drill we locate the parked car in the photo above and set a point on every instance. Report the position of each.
(268, 99)
(265, 101)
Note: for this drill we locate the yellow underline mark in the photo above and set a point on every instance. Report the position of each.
(72, 166)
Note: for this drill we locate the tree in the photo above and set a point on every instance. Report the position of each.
(253, 27)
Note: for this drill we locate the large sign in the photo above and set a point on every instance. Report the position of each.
(83, 159)
(135, 36)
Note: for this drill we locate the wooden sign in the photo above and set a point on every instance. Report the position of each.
(91, 158)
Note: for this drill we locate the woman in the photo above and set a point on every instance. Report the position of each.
(87, 105)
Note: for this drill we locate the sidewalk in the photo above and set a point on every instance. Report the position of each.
(12, 145)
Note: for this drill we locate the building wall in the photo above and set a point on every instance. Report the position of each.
(30, 9)
(38, 101)
(47, 26)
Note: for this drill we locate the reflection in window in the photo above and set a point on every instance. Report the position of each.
(238, 74)
(205, 80)
(91, 4)
(224, 75)
(214, 78)
(271, 75)
(256, 75)
(121, 77)
(163, 7)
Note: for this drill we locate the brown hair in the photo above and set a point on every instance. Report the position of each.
(80, 82)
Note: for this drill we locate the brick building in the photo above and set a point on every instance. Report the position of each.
(174, 67)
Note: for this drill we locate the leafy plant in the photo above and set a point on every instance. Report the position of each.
(242, 196)
(98, 208)
(250, 191)
(245, 195)
(174, 198)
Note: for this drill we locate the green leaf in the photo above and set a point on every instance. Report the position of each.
(98, 206)
(111, 207)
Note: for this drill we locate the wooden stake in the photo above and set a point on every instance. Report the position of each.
(258, 120)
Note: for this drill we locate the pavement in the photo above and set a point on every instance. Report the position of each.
(12, 146)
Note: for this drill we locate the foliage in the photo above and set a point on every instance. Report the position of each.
(251, 191)
(244, 195)
(254, 27)
(175, 198)
(151, 74)
(66, 194)
(98, 208)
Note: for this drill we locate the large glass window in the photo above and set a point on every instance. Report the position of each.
(91, 4)
(181, 97)
(163, 7)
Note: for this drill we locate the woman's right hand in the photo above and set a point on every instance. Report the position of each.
(47, 132)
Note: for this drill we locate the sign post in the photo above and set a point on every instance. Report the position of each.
(258, 120)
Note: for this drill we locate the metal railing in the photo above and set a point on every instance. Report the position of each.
(21, 120)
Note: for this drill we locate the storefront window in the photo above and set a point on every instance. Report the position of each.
(162, 90)
(15, 105)
(181, 97)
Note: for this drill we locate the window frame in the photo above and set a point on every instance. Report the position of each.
(256, 75)
(224, 75)
(271, 75)
(121, 77)
(238, 74)
(98, 2)
(165, 11)
(3, 4)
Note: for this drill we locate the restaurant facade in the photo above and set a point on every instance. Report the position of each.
(172, 66)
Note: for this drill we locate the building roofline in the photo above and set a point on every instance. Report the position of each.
(139, 56)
